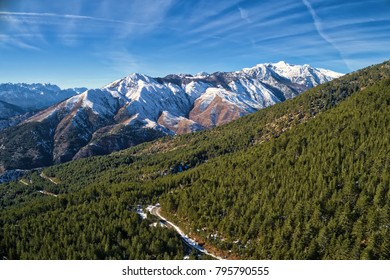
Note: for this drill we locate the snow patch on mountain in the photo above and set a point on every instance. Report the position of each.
(101, 102)
(196, 88)
(304, 75)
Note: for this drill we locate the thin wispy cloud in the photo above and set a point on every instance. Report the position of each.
(77, 17)
(250, 23)
(317, 23)
(105, 38)
(120, 60)
(192, 14)
(244, 14)
(26, 28)
(10, 42)
(22, 35)
(318, 26)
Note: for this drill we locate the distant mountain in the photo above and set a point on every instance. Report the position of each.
(35, 96)
(140, 108)
(20, 101)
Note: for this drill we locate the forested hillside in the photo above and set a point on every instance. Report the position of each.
(304, 179)
(318, 191)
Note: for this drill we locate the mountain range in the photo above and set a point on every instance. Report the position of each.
(140, 108)
(35, 96)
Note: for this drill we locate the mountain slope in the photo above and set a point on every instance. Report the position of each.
(320, 191)
(8, 110)
(304, 179)
(11, 115)
(139, 108)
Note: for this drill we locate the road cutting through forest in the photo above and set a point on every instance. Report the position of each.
(155, 211)
(48, 178)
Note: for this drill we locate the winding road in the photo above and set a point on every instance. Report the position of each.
(48, 193)
(48, 178)
(155, 211)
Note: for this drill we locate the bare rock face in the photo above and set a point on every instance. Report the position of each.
(217, 112)
(178, 125)
(139, 108)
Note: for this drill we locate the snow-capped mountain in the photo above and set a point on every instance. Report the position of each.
(206, 100)
(140, 108)
(35, 96)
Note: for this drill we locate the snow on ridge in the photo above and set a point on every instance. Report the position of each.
(231, 97)
(300, 74)
(137, 86)
(141, 99)
(330, 73)
(147, 97)
(170, 119)
(201, 75)
(101, 101)
(304, 74)
(196, 88)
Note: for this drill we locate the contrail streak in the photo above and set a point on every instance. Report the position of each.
(318, 26)
(69, 17)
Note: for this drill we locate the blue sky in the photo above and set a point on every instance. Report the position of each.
(93, 42)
